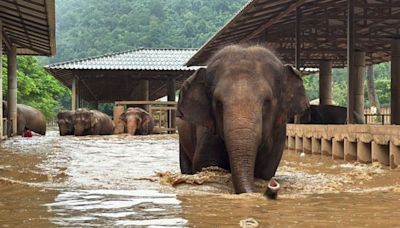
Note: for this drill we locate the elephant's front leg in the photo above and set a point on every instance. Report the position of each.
(270, 154)
(210, 150)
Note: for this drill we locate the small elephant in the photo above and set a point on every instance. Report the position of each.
(92, 122)
(327, 114)
(138, 121)
(233, 114)
(28, 118)
(65, 121)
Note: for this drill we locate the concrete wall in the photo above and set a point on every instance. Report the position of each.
(361, 143)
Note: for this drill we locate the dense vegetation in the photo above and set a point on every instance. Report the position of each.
(94, 27)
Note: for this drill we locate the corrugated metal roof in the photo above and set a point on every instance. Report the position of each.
(139, 59)
(29, 25)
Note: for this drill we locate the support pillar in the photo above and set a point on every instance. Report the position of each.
(171, 97)
(307, 145)
(299, 144)
(73, 95)
(143, 93)
(291, 142)
(12, 89)
(380, 153)
(326, 147)
(316, 146)
(1, 81)
(395, 83)
(325, 82)
(394, 156)
(359, 68)
(364, 152)
(350, 150)
(298, 38)
(337, 149)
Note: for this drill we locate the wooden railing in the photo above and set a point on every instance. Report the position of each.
(163, 113)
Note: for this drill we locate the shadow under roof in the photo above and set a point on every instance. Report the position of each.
(323, 30)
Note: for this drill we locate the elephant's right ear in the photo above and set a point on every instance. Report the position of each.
(194, 105)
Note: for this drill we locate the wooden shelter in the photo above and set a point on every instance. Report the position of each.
(324, 34)
(27, 27)
(140, 75)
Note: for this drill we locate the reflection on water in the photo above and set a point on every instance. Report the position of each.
(135, 181)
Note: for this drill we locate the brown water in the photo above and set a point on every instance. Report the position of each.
(134, 181)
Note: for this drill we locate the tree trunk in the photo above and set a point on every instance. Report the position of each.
(372, 97)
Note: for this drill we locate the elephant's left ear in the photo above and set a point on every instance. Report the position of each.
(294, 94)
(194, 104)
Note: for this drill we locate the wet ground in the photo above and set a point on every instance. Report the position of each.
(134, 181)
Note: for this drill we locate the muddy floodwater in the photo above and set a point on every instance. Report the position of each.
(134, 181)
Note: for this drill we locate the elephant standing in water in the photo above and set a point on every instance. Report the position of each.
(138, 121)
(28, 118)
(65, 121)
(92, 122)
(233, 114)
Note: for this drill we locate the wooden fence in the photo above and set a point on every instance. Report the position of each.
(372, 117)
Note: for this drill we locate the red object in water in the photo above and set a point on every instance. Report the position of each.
(27, 133)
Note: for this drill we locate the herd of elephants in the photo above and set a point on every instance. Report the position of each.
(231, 114)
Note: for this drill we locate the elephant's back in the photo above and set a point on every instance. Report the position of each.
(33, 118)
(105, 122)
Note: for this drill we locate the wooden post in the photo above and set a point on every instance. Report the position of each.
(119, 124)
(12, 89)
(171, 97)
(395, 83)
(350, 60)
(325, 82)
(1, 80)
(73, 96)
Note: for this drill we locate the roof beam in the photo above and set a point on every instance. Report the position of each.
(276, 19)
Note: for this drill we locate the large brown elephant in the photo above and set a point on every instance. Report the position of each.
(65, 121)
(92, 122)
(233, 114)
(28, 118)
(138, 121)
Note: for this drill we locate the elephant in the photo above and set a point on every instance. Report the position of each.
(65, 122)
(233, 114)
(327, 114)
(28, 118)
(138, 121)
(92, 122)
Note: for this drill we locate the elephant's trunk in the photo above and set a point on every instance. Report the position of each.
(242, 135)
(132, 124)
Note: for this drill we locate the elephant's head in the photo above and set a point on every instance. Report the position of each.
(84, 121)
(65, 122)
(137, 121)
(243, 95)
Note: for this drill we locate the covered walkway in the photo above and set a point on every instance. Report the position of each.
(26, 28)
